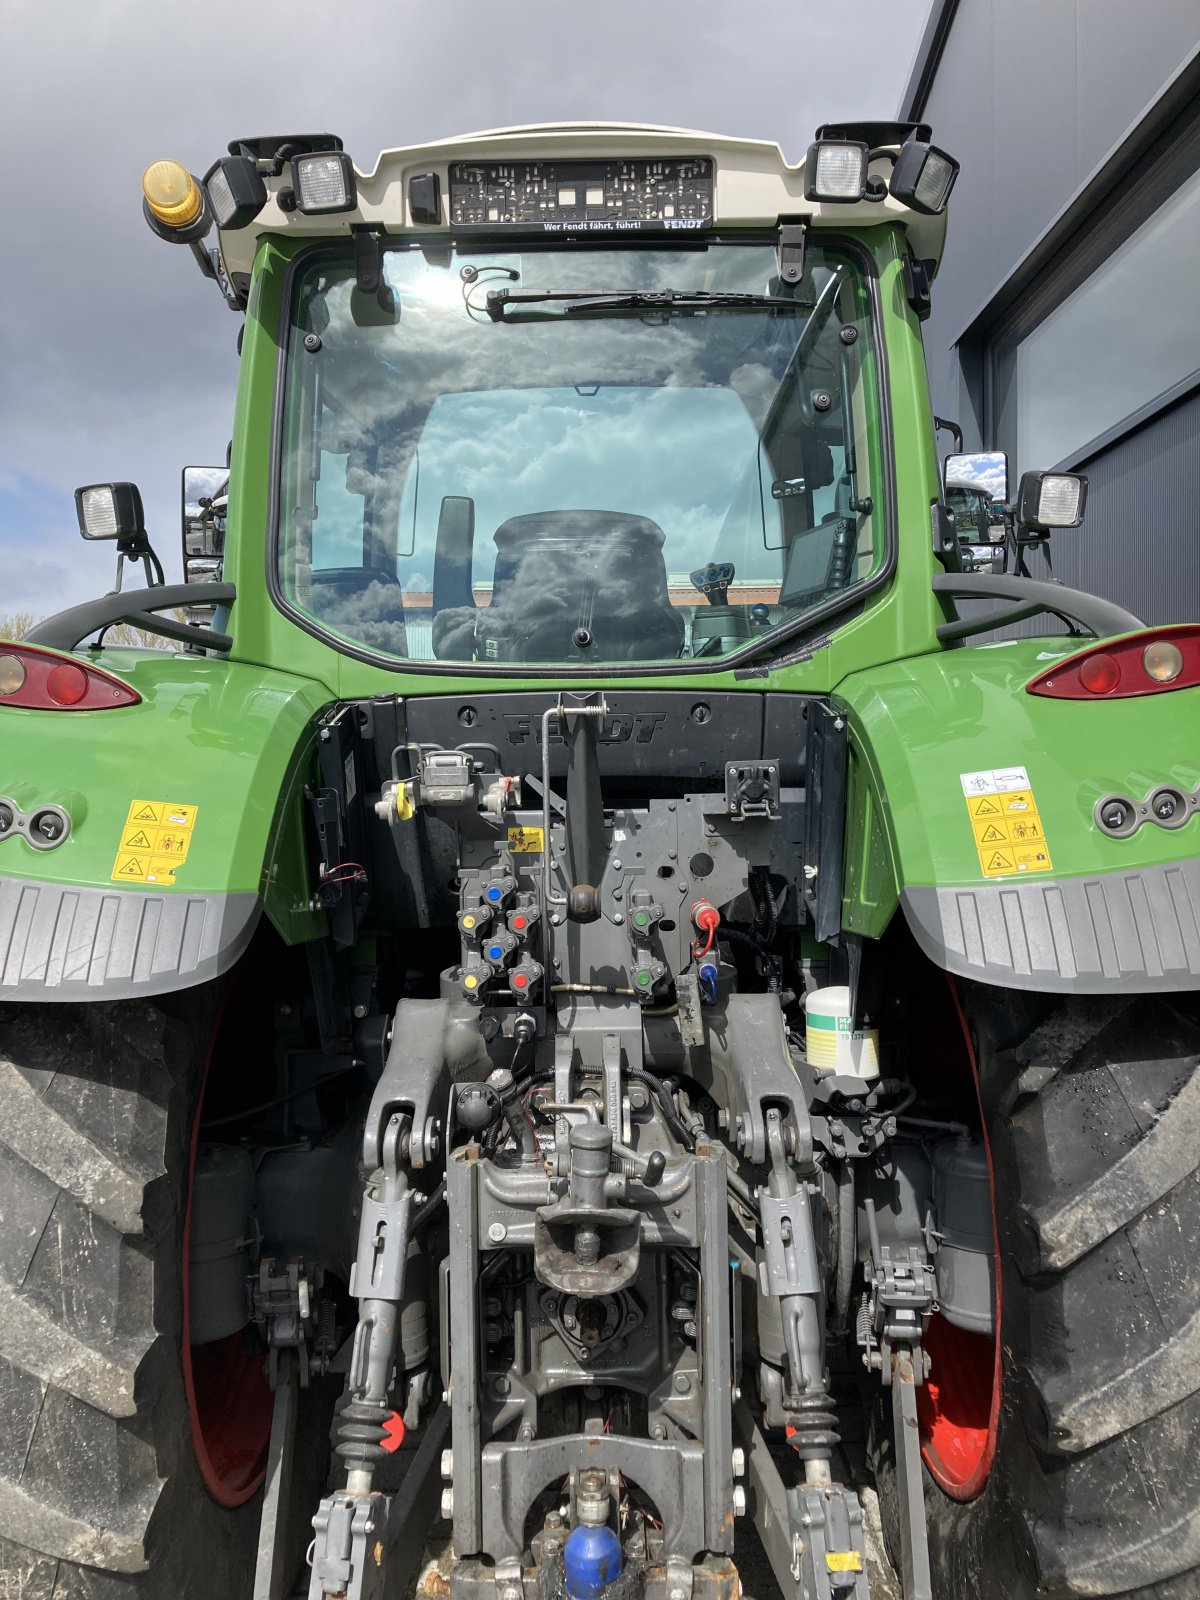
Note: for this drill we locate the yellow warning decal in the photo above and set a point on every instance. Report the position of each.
(154, 842)
(526, 841)
(843, 1561)
(1008, 833)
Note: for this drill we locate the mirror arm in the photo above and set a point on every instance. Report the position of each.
(1030, 595)
(66, 629)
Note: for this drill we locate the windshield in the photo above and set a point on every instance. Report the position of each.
(539, 456)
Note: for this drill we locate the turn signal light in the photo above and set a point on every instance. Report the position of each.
(1146, 663)
(39, 680)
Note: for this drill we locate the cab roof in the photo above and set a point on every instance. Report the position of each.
(754, 184)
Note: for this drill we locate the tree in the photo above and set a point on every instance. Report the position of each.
(16, 625)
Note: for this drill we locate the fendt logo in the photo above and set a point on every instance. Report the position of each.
(640, 726)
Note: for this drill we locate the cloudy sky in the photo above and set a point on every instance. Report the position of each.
(117, 360)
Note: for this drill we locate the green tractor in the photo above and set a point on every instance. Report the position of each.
(581, 1015)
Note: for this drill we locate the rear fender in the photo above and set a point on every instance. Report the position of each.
(185, 820)
(972, 808)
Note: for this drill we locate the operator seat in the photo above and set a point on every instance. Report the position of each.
(559, 572)
(364, 603)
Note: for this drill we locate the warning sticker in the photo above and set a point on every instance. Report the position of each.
(526, 841)
(154, 842)
(1007, 829)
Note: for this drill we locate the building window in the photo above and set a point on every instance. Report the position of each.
(1072, 366)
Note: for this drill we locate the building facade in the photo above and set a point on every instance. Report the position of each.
(1066, 315)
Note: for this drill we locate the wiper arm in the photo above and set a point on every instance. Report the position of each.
(666, 300)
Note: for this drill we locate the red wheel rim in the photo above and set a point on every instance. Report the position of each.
(228, 1397)
(958, 1405)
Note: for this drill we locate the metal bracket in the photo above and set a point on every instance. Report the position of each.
(349, 1548)
(791, 252)
(829, 1557)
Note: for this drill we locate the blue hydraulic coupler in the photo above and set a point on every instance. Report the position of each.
(591, 1560)
(592, 1553)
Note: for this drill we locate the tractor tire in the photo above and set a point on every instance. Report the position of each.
(100, 1492)
(1087, 1482)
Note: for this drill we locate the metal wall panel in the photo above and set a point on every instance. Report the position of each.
(1140, 540)
(1031, 98)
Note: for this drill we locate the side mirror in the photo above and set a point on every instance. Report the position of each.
(981, 469)
(114, 511)
(205, 506)
(975, 493)
(1049, 500)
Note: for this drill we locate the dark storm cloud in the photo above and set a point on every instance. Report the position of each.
(118, 361)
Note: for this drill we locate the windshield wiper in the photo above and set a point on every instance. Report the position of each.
(665, 300)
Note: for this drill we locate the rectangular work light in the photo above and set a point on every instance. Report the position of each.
(836, 169)
(324, 182)
(1048, 500)
(923, 177)
(236, 191)
(109, 510)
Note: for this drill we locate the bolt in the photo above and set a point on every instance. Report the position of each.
(526, 1431)
(658, 1431)
(510, 1591)
(739, 1500)
(448, 1502)
(682, 1383)
(360, 1011)
(497, 1232)
(556, 918)
(739, 1461)
(618, 918)
(500, 1385)
(447, 1464)
(616, 866)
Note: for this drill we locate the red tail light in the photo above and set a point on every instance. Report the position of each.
(1148, 663)
(39, 679)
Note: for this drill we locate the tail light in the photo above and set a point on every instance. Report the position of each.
(1147, 663)
(40, 680)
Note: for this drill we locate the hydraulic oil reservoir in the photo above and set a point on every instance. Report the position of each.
(832, 1042)
(218, 1258)
(962, 1207)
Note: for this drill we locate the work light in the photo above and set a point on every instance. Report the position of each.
(109, 511)
(923, 177)
(836, 169)
(1048, 500)
(236, 192)
(324, 182)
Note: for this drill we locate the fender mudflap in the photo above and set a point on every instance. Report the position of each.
(59, 942)
(1138, 931)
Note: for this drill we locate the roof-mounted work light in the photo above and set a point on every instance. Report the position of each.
(923, 177)
(236, 191)
(836, 169)
(323, 182)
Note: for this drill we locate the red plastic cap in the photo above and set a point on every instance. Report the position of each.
(706, 916)
(393, 1432)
